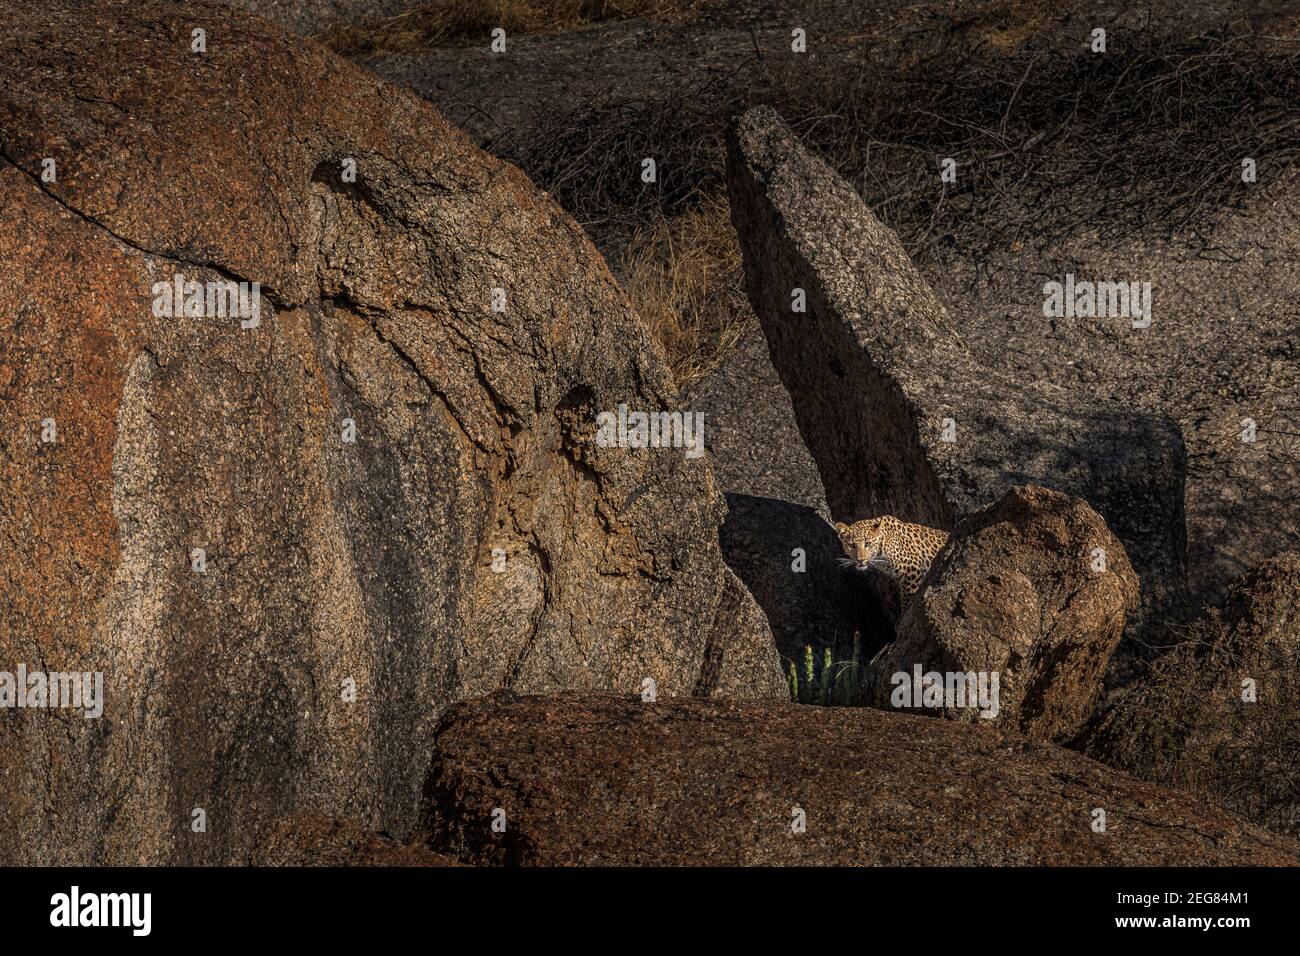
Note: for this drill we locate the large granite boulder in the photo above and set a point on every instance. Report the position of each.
(1219, 714)
(1031, 592)
(598, 779)
(289, 537)
(897, 414)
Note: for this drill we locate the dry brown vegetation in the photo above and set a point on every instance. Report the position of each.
(1051, 140)
(1049, 143)
(444, 21)
(1006, 25)
(683, 275)
(1185, 723)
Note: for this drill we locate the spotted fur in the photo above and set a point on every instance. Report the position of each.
(901, 551)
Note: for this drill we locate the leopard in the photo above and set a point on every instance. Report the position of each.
(900, 550)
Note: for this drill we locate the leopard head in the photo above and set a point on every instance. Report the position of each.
(863, 543)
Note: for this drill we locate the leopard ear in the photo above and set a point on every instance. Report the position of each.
(841, 527)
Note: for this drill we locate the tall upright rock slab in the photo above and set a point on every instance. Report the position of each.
(289, 537)
(898, 416)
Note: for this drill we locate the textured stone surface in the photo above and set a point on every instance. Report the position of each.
(875, 367)
(325, 841)
(1223, 346)
(776, 508)
(1188, 721)
(1017, 592)
(602, 779)
(753, 438)
(327, 562)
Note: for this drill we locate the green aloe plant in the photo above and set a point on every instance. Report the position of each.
(833, 683)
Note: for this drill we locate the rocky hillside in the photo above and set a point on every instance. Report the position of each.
(401, 531)
(1141, 180)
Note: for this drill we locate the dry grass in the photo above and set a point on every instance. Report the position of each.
(1007, 25)
(444, 21)
(1184, 724)
(683, 274)
(1146, 139)
(1052, 142)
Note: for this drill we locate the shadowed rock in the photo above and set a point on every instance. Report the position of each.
(880, 377)
(1033, 589)
(605, 780)
(473, 536)
(822, 605)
